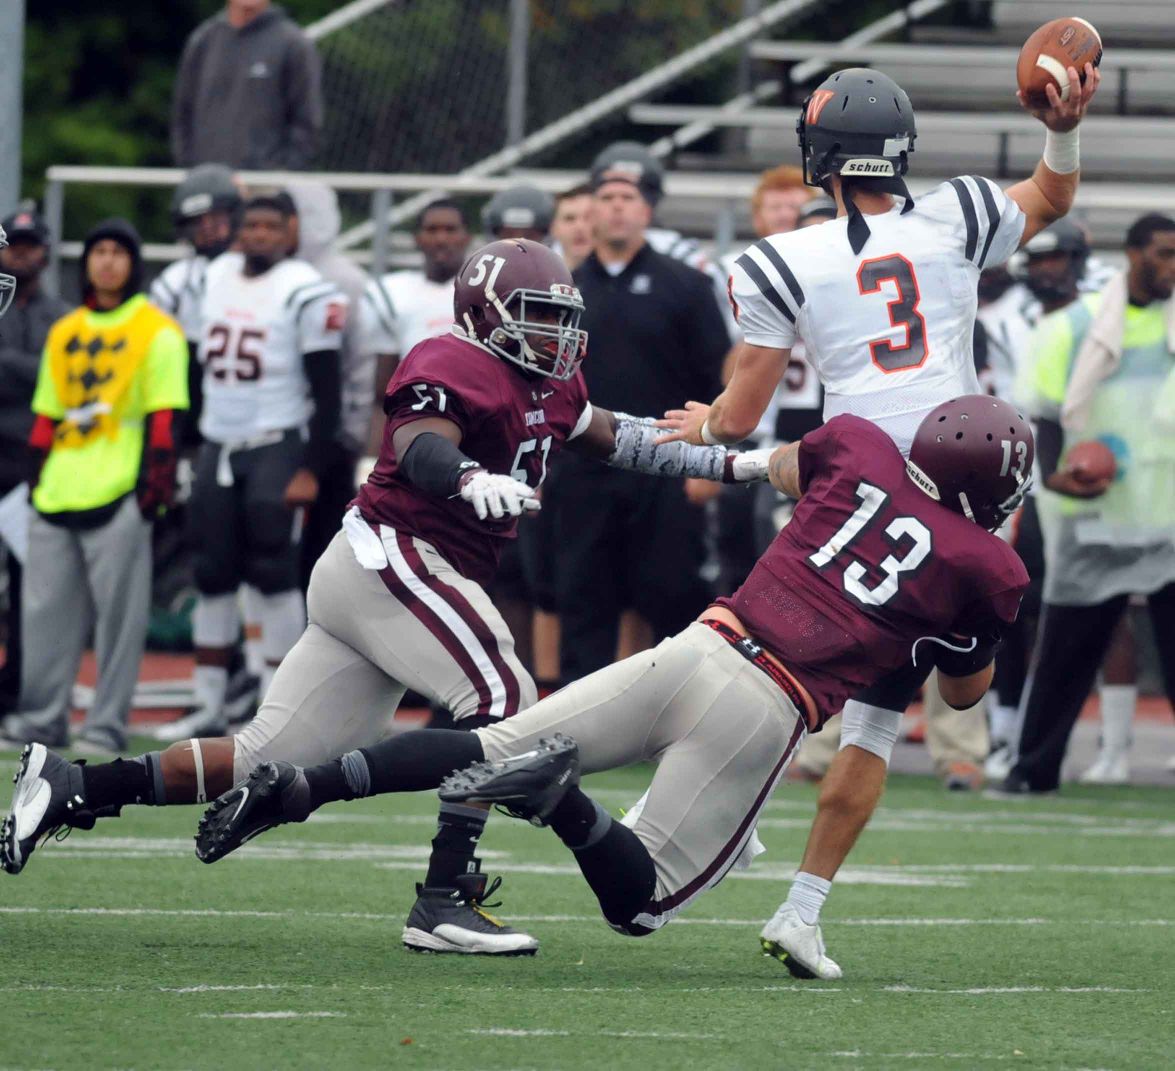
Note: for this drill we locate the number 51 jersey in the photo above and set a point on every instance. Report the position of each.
(889, 330)
(254, 333)
(869, 567)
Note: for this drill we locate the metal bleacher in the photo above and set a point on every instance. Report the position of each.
(960, 74)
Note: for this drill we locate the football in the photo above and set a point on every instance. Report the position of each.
(1050, 52)
(1092, 462)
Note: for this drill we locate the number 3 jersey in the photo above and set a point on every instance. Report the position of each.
(869, 568)
(889, 331)
(255, 331)
(511, 423)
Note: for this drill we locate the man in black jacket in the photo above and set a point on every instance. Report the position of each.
(22, 337)
(655, 335)
(247, 94)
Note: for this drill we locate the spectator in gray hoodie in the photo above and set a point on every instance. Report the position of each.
(22, 338)
(247, 94)
(318, 227)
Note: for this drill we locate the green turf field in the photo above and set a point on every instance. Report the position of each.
(973, 933)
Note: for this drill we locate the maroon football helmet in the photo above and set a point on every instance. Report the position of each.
(974, 454)
(516, 298)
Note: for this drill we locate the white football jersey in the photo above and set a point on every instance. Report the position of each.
(403, 308)
(179, 290)
(889, 331)
(256, 330)
(1008, 321)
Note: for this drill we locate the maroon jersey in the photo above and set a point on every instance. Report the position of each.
(510, 423)
(868, 566)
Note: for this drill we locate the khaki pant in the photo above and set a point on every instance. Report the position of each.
(373, 634)
(953, 735)
(720, 730)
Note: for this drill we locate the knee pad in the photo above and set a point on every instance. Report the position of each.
(216, 621)
(873, 729)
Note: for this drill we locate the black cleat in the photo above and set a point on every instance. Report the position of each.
(272, 795)
(455, 920)
(527, 786)
(49, 799)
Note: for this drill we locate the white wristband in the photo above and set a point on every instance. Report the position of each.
(708, 435)
(1062, 152)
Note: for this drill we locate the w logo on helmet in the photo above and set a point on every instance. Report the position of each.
(817, 102)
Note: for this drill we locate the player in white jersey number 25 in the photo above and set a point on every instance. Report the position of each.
(884, 299)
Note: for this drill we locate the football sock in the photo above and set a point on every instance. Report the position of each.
(211, 683)
(807, 896)
(113, 784)
(411, 762)
(459, 827)
(611, 856)
(1002, 720)
(1118, 702)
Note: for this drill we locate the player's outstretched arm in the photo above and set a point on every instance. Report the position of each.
(428, 454)
(1048, 194)
(628, 442)
(736, 412)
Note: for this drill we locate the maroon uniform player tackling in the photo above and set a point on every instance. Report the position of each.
(396, 601)
(883, 556)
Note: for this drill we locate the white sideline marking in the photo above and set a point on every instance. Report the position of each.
(274, 1015)
(856, 1054)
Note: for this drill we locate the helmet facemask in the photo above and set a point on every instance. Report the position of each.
(539, 330)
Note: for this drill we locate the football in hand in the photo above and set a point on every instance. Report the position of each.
(1091, 462)
(1049, 53)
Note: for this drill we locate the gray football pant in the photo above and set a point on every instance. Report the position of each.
(371, 635)
(76, 581)
(720, 730)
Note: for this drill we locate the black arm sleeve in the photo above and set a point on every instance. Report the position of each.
(190, 421)
(435, 464)
(1049, 440)
(326, 388)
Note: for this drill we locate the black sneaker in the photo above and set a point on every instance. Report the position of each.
(1016, 787)
(49, 799)
(272, 795)
(527, 786)
(456, 920)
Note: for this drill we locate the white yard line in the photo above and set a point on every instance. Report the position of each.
(274, 1015)
(594, 920)
(508, 1032)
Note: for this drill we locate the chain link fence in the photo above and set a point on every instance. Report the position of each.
(421, 85)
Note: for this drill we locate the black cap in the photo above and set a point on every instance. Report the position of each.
(817, 208)
(26, 223)
(121, 231)
(631, 162)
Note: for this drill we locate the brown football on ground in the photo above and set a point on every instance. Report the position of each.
(1050, 52)
(1091, 462)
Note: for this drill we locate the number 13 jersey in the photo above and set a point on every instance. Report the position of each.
(869, 567)
(254, 333)
(889, 330)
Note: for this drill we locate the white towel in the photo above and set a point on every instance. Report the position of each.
(1101, 352)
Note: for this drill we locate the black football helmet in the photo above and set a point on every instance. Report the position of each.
(1054, 284)
(516, 298)
(7, 282)
(520, 208)
(974, 454)
(858, 124)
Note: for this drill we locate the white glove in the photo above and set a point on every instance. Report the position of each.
(747, 466)
(496, 496)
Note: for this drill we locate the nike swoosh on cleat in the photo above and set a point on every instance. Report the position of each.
(244, 798)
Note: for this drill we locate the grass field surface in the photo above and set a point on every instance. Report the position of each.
(972, 933)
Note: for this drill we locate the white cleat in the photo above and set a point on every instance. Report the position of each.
(199, 723)
(1108, 769)
(798, 946)
(998, 763)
